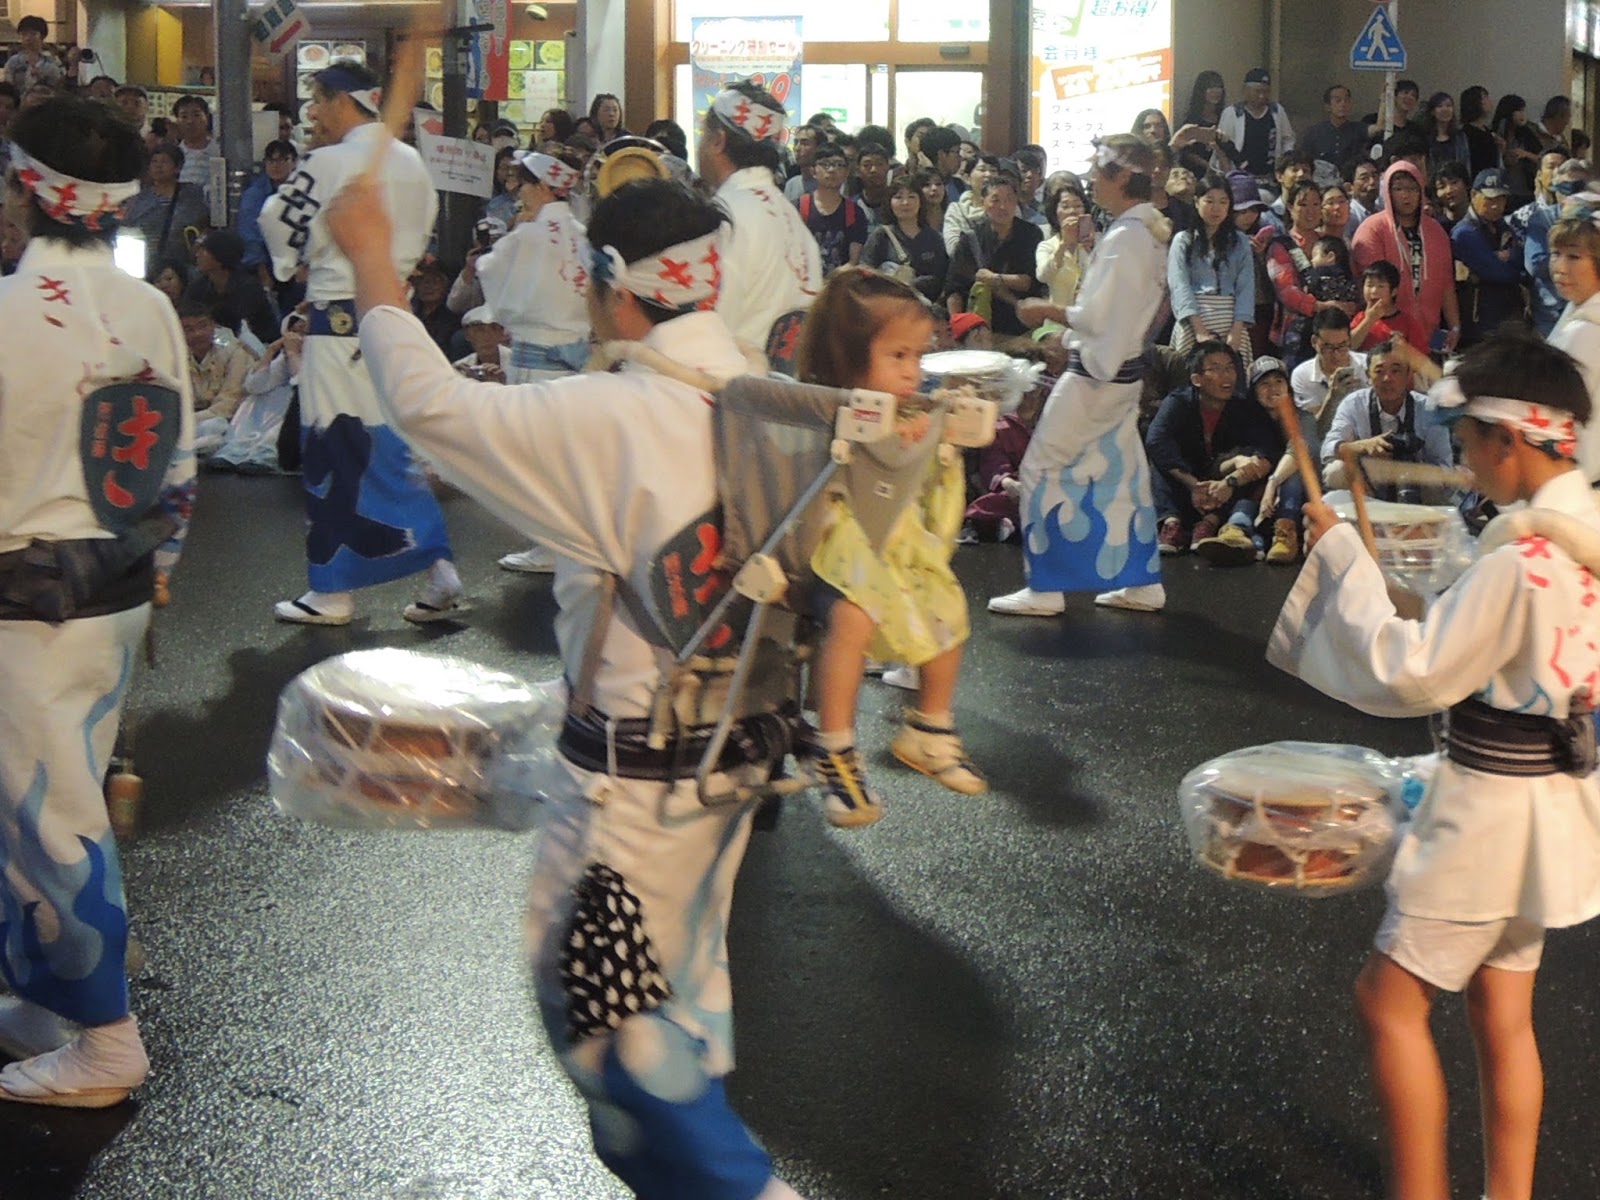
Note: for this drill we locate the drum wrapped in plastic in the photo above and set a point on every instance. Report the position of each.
(393, 739)
(992, 375)
(1302, 817)
(1423, 548)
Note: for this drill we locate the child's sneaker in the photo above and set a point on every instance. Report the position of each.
(848, 801)
(936, 751)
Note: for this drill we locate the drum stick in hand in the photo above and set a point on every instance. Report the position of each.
(404, 91)
(1358, 493)
(1289, 418)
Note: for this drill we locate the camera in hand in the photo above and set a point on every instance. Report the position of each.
(1404, 445)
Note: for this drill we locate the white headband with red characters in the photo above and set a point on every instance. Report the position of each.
(1552, 430)
(551, 172)
(746, 115)
(680, 278)
(68, 200)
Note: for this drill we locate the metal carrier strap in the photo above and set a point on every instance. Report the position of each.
(1131, 371)
(1483, 738)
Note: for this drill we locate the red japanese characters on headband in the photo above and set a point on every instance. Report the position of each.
(681, 278)
(1553, 430)
(1111, 156)
(748, 116)
(67, 200)
(551, 172)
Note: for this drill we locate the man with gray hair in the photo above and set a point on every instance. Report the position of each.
(1570, 178)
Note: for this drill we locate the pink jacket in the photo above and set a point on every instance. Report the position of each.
(1377, 239)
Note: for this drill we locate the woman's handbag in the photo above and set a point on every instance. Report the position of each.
(1216, 314)
(900, 269)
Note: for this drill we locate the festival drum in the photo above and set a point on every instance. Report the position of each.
(988, 373)
(393, 739)
(1298, 817)
(1421, 547)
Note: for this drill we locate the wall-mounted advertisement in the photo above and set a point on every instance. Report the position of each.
(1095, 65)
(764, 50)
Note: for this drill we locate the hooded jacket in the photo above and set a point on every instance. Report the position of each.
(1378, 239)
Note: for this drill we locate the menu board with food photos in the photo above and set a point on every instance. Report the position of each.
(312, 57)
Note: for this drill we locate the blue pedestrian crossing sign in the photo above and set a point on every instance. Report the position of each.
(1378, 48)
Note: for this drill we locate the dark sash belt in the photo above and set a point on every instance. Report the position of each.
(1483, 738)
(625, 753)
(332, 318)
(1131, 371)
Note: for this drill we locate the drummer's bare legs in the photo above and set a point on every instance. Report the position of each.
(1394, 1006)
(1510, 1078)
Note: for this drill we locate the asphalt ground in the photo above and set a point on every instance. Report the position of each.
(1030, 994)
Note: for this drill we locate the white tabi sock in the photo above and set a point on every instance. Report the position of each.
(442, 578)
(104, 1056)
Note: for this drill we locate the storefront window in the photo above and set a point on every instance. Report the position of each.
(950, 21)
(824, 20)
(949, 97)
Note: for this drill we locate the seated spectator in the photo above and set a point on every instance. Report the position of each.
(502, 206)
(1382, 318)
(1540, 217)
(1489, 262)
(165, 208)
(1386, 419)
(906, 246)
(1210, 447)
(171, 279)
(994, 515)
(1211, 276)
(965, 210)
(218, 364)
(251, 445)
(1337, 140)
(490, 359)
(431, 285)
(1452, 195)
(835, 220)
(1063, 257)
(1401, 233)
(233, 293)
(969, 331)
(277, 164)
(1182, 184)
(1283, 496)
(1333, 371)
(872, 169)
(993, 265)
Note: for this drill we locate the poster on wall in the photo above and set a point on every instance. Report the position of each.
(1095, 65)
(489, 56)
(764, 50)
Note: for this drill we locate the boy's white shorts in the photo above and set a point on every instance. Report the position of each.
(1447, 953)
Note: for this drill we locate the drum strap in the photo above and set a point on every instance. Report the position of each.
(1483, 738)
(1131, 371)
(620, 747)
(82, 577)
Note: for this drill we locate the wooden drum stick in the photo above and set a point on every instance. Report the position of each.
(1289, 418)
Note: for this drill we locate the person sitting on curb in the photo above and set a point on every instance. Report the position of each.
(1385, 420)
(1208, 447)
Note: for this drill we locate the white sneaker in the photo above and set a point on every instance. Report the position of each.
(534, 561)
(316, 608)
(97, 1069)
(1148, 597)
(1029, 603)
(905, 677)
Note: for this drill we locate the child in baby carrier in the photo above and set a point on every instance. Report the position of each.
(869, 331)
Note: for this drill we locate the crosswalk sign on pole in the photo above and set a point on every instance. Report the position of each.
(1378, 47)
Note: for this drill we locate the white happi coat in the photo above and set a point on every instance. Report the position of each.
(603, 469)
(1519, 632)
(1088, 516)
(535, 280)
(770, 261)
(295, 231)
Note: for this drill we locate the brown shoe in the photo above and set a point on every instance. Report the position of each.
(1285, 542)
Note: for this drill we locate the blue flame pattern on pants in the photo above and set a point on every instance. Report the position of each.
(658, 1109)
(63, 919)
(1088, 522)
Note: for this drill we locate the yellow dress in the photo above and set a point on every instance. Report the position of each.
(909, 590)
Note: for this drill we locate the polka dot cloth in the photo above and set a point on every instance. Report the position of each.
(608, 969)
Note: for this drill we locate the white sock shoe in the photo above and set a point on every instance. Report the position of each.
(441, 599)
(1029, 603)
(442, 577)
(1147, 597)
(96, 1069)
(28, 1029)
(316, 608)
(777, 1189)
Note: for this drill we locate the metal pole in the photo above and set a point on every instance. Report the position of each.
(1389, 77)
(457, 211)
(233, 97)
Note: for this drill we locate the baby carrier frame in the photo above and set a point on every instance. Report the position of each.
(726, 602)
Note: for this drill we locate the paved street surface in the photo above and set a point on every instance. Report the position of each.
(1031, 994)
